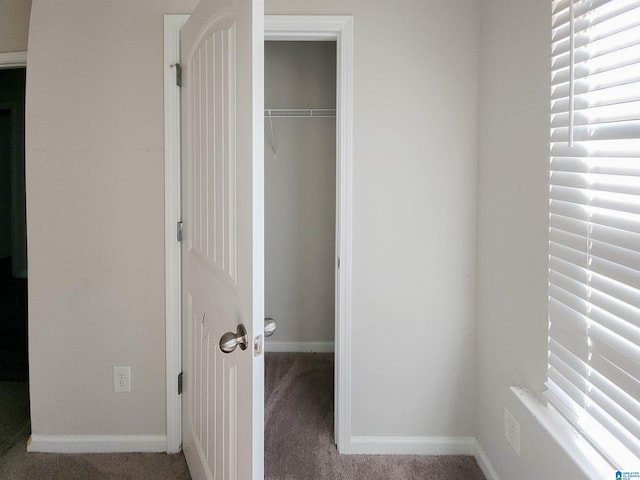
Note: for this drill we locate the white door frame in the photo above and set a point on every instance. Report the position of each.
(172, 215)
(338, 28)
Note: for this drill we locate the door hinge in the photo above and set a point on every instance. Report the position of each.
(180, 376)
(178, 74)
(179, 231)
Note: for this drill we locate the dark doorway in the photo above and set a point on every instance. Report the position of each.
(13, 252)
(14, 364)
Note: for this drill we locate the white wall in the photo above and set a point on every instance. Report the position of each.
(512, 235)
(95, 199)
(300, 74)
(14, 25)
(415, 148)
(300, 194)
(95, 203)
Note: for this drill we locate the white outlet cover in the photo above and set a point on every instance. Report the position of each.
(512, 430)
(122, 379)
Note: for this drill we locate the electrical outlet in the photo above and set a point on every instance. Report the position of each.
(512, 430)
(121, 379)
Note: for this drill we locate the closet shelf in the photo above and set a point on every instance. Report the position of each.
(299, 112)
(294, 113)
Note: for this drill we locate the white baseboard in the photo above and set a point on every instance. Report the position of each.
(97, 443)
(484, 462)
(13, 59)
(359, 445)
(413, 445)
(299, 347)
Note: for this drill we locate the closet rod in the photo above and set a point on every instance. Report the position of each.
(299, 112)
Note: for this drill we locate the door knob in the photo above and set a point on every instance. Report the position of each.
(269, 326)
(229, 341)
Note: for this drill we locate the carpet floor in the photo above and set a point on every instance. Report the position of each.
(19, 465)
(14, 414)
(299, 442)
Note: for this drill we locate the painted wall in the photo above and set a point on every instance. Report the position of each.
(14, 25)
(512, 235)
(300, 193)
(415, 149)
(95, 155)
(95, 202)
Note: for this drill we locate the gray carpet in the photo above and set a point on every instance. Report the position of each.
(299, 441)
(19, 465)
(14, 414)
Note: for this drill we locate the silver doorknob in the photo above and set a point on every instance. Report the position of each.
(229, 341)
(269, 326)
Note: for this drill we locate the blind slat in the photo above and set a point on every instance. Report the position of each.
(609, 89)
(606, 114)
(625, 130)
(619, 203)
(612, 166)
(594, 223)
(615, 271)
(611, 287)
(560, 22)
(575, 388)
(600, 436)
(625, 25)
(616, 375)
(616, 349)
(616, 402)
(568, 269)
(569, 329)
(616, 314)
(592, 62)
(615, 236)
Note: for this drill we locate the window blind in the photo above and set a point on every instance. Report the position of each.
(594, 224)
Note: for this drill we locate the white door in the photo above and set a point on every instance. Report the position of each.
(222, 250)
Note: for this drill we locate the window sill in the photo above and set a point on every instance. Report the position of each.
(580, 451)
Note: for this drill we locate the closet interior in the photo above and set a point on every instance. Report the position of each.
(300, 193)
(300, 239)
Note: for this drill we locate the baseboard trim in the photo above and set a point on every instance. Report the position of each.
(13, 59)
(359, 445)
(299, 347)
(484, 462)
(97, 443)
(413, 445)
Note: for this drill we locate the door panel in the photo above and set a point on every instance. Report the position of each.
(222, 249)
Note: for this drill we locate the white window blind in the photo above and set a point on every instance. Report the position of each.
(594, 224)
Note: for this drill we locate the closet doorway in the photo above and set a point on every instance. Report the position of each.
(300, 251)
(300, 194)
(300, 28)
(336, 31)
